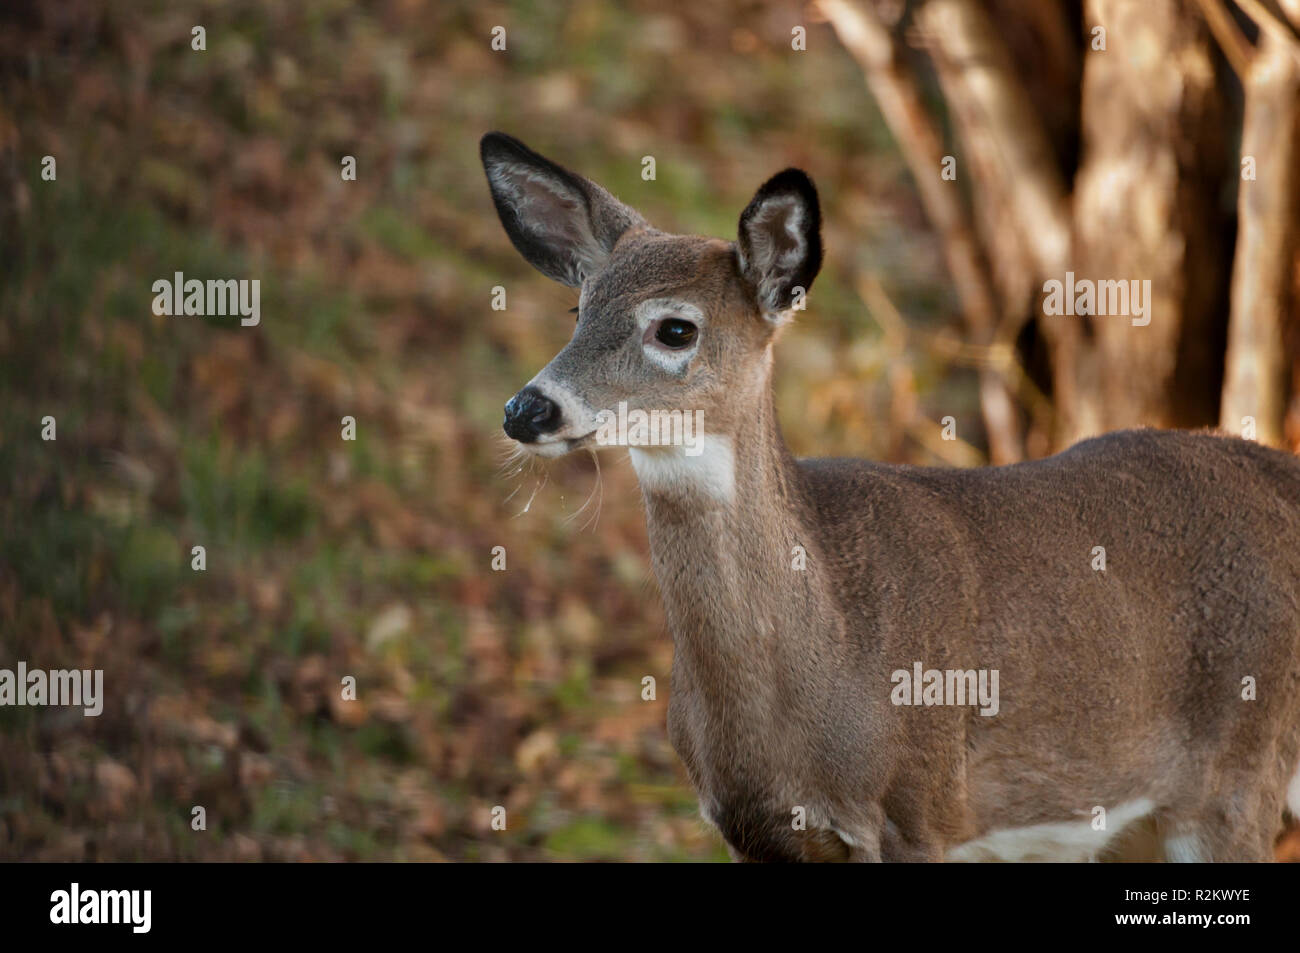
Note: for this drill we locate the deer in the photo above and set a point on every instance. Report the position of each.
(1148, 709)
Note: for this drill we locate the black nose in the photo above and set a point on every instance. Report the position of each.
(529, 414)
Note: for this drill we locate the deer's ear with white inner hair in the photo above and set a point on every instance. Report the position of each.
(564, 224)
(780, 243)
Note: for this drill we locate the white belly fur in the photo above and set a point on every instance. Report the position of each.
(1063, 841)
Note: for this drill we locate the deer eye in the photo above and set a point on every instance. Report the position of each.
(675, 333)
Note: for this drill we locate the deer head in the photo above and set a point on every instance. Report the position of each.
(665, 322)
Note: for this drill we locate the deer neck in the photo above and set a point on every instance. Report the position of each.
(724, 526)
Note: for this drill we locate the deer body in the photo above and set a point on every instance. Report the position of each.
(1121, 689)
(1107, 678)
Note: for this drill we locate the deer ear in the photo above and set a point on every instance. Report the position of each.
(780, 241)
(565, 225)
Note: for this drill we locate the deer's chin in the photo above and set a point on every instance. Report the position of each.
(557, 446)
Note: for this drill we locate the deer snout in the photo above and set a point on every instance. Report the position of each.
(529, 414)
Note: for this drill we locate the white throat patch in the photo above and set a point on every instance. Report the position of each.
(711, 473)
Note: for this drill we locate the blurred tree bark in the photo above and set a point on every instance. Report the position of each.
(1258, 375)
(1100, 138)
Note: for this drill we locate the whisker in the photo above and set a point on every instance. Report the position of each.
(515, 454)
(597, 494)
(537, 488)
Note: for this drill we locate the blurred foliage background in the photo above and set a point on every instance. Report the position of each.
(326, 557)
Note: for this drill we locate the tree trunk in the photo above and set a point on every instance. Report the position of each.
(1258, 372)
(1146, 208)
